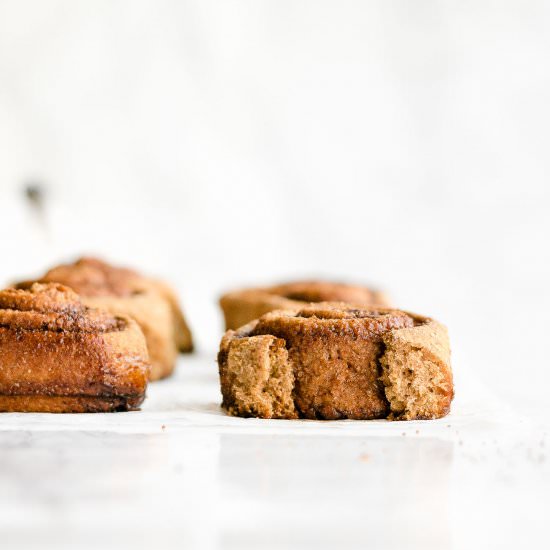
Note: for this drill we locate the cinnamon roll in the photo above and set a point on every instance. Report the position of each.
(58, 355)
(242, 306)
(334, 361)
(153, 304)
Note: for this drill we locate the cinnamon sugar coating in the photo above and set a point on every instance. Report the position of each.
(334, 361)
(51, 307)
(58, 355)
(153, 304)
(242, 306)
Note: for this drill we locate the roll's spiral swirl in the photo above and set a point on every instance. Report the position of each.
(58, 355)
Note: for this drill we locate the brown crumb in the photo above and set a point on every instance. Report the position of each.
(163, 427)
(331, 361)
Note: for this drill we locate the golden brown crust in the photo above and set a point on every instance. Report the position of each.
(51, 307)
(339, 361)
(64, 404)
(57, 355)
(154, 317)
(122, 291)
(242, 306)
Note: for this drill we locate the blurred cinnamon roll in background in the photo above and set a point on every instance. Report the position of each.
(242, 306)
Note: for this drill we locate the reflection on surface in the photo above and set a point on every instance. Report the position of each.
(222, 488)
(107, 490)
(197, 489)
(336, 492)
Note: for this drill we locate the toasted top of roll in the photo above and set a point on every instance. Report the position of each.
(52, 307)
(323, 291)
(92, 277)
(296, 294)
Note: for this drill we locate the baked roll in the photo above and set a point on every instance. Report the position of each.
(59, 356)
(333, 361)
(121, 291)
(242, 306)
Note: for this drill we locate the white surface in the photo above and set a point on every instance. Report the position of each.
(182, 474)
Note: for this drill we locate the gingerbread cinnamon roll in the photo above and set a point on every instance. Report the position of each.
(333, 361)
(153, 304)
(58, 355)
(242, 306)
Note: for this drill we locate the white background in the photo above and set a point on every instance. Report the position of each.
(225, 143)
(217, 144)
